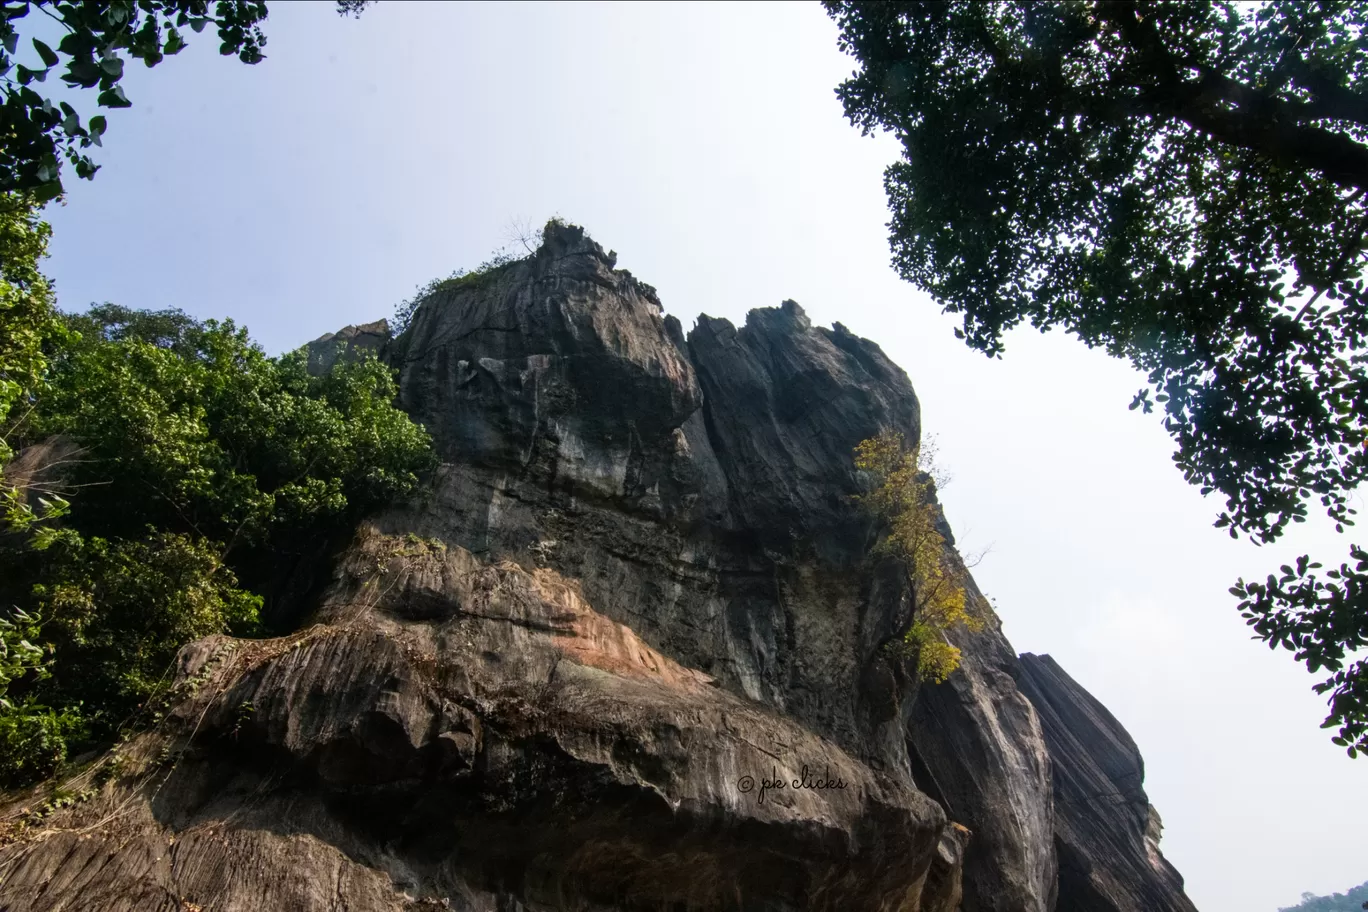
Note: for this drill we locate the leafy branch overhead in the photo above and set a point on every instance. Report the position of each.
(96, 40)
(1180, 182)
(1323, 620)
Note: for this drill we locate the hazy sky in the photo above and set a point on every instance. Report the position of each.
(703, 143)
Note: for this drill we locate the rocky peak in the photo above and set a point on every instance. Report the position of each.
(368, 337)
(558, 348)
(617, 659)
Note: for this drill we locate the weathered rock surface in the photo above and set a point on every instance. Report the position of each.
(475, 733)
(975, 744)
(637, 589)
(1106, 831)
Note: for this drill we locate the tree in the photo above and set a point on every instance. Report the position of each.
(205, 466)
(28, 321)
(189, 427)
(120, 609)
(27, 315)
(1181, 183)
(1355, 899)
(31, 737)
(93, 605)
(902, 498)
(36, 133)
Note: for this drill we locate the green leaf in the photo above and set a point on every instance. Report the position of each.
(84, 73)
(114, 98)
(174, 43)
(47, 191)
(198, 24)
(97, 124)
(36, 75)
(113, 66)
(76, 44)
(12, 40)
(48, 54)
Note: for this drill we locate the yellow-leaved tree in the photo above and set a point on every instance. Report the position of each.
(902, 498)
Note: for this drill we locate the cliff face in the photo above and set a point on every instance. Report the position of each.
(625, 655)
(1106, 832)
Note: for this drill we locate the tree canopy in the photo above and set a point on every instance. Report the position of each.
(27, 317)
(196, 471)
(1352, 901)
(1179, 182)
(189, 426)
(205, 470)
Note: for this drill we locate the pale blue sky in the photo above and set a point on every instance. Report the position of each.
(704, 144)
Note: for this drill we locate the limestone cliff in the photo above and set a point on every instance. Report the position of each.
(636, 599)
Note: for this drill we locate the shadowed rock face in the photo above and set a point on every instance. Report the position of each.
(636, 599)
(368, 337)
(1106, 831)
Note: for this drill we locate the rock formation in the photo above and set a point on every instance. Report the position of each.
(368, 337)
(626, 654)
(1106, 832)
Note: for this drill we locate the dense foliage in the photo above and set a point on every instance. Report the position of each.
(27, 317)
(190, 427)
(118, 610)
(902, 497)
(1353, 901)
(1181, 182)
(37, 133)
(195, 467)
(27, 321)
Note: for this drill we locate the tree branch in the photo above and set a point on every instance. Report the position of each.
(1261, 123)
(1330, 99)
(1335, 155)
(1343, 105)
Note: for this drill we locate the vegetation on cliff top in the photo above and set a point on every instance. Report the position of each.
(520, 235)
